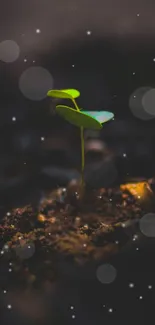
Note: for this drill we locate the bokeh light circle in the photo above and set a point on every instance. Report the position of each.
(106, 273)
(9, 51)
(35, 82)
(147, 225)
(25, 250)
(148, 101)
(136, 104)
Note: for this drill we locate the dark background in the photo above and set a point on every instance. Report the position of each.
(106, 66)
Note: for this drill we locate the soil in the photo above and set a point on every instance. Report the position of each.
(67, 234)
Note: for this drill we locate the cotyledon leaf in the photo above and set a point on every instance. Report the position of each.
(74, 93)
(100, 116)
(78, 118)
(63, 93)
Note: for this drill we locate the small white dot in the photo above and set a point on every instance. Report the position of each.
(72, 307)
(73, 316)
(117, 242)
(138, 15)
(123, 225)
(104, 306)
(4, 291)
(84, 245)
(140, 297)
(34, 61)
(89, 32)
(2, 252)
(38, 31)
(110, 310)
(10, 270)
(42, 138)
(150, 287)
(73, 65)
(24, 163)
(137, 249)
(29, 246)
(154, 60)
(9, 306)
(8, 214)
(10, 263)
(131, 285)
(134, 73)
(124, 155)
(134, 96)
(13, 118)
(25, 60)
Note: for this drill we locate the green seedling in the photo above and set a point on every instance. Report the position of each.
(83, 119)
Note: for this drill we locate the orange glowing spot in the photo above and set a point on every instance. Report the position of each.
(138, 189)
(41, 218)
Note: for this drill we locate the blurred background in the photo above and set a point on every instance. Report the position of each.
(107, 52)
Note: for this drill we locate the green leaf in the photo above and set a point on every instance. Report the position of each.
(64, 93)
(100, 116)
(58, 94)
(74, 93)
(78, 118)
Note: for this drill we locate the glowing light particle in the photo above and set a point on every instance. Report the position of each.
(88, 32)
(131, 285)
